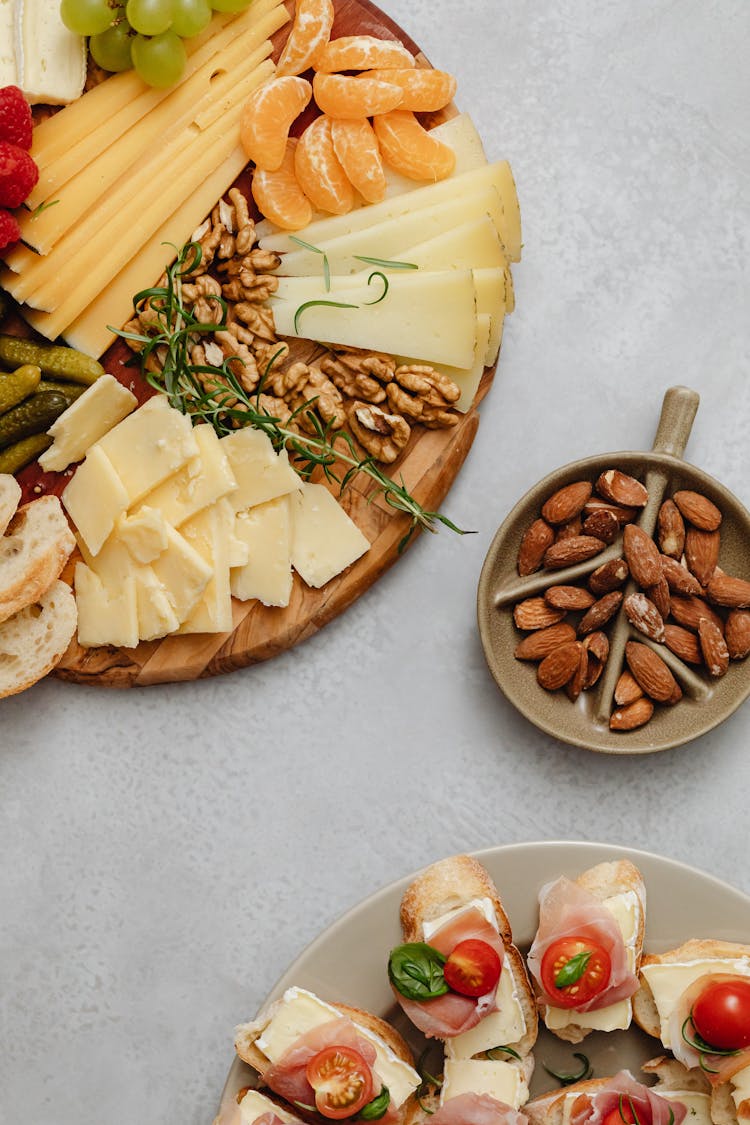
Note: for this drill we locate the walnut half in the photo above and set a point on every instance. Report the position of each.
(382, 435)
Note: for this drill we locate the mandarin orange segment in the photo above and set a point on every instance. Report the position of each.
(350, 98)
(311, 30)
(356, 146)
(424, 90)
(319, 171)
(279, 196)
(362, 52)
(410, 150)
(267, 118)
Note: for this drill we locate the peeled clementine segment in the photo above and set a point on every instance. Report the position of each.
(313, 20)
(410, 150)
(350, 98)
(362, 52)
(279, 196)
(424, 90)
(356, 146)
(267, 117)
(319, 171)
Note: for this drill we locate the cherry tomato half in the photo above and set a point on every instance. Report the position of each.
(721, 1014)
(617, 1117)
(473, 968)
(342, 1081)
(583, 964)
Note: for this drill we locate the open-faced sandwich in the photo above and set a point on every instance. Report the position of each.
(619, 1100)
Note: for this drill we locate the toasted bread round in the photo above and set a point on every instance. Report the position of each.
(35, 639)
(673, 1075)
(36, 545)
(10, 498)
(548, 1109)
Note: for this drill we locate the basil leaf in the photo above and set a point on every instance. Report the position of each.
(375, 1109)
(416, 971)
(572, 970)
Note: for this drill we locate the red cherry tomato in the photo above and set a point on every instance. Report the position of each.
(586, 963)
(473, 968)
(615, 1117)
(342, 1081)
(721, 1014)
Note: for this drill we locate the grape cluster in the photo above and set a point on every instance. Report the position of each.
(144, 34)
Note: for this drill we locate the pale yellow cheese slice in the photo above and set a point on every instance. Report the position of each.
(148, 446)
(183, 573)
(95, 498)
(325, 540)
(203, 480)
(105, 403)
(267, 574)
(106, 615)
(260, 472)
(208, 534)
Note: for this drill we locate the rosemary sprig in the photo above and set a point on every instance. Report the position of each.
(704, 1049)
(216, 395)
(492, 1053)
(384, 263)
(567, 1079)
(315, 250)
(43, 207)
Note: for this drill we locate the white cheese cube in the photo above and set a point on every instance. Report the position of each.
(266, 532)
(95, 498)
(105, 403)
(324, 540)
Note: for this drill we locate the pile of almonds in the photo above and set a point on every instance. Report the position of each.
(684, 601)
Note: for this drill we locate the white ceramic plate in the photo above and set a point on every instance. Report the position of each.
(348, 961)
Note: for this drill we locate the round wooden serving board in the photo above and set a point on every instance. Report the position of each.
(429, 467)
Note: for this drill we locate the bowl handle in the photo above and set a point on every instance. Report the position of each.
(677, 414)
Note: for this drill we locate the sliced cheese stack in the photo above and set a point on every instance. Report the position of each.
(172, 521)
(129, 168)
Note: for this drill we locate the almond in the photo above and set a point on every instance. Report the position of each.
(535, 542)
(569, 529)
(557, 668)
(683, 643)
(644, 616)
(698, 510)
(568, 552)
(650, 671)
(679, 579)
(634, 715)
(567, 502)
(713, 647)
(627, 689)
(569, 597)
(597, 645)
(689, 611)
(621, 489)
(542, 642)
(534, 613)
(670, 530)
(642, 556)
(738, 634)
(575, 684)
(608, 577)
(600, 613)
(723, 589)
(602, 525)
(622, 515)
(702, 553)
(660, 596)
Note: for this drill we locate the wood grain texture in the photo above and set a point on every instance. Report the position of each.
(429, 467)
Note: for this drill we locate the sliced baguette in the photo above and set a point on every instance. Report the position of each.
(10, 498)
(671, 1074)
(604, 881)
(36, 545)
(34, 640)
(452, 883)
(548, 1108)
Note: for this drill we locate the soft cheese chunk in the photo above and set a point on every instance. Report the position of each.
(668, 982)
(102, 406)
(260, 472)
(506, 1025)
(149, 446)
(106, 616)
(255, 1104)
(324, 540)
(8, 75)
(267, 574)
(51, 60)
(300, 1011)
(501, 1080)
(202, 481)
(95, 498)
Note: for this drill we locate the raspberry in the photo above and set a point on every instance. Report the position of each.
(15, 117)
(9, 232)
(18, 175)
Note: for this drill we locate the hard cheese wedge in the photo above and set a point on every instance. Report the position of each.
(267, 574)
(324, 540)
(431, 315)
(105, 403)
(203, 480)
(208, 534)
(466, 379)
(106, 616)
(149, 446)
(260, 472)
(95, 498)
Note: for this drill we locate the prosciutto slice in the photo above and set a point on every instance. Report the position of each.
(287, 1077)
(719, 1068)
(567, 910)
(477, 1109)
(650, 1108)
(268, 1119)
(452, 1014)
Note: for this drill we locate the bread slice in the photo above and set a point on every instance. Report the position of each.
(604, 881)
(10, 498)
(35, 639)
(645, 1012)
(452, 883)
(671, 1074)
(548, 1109)
(36, 545)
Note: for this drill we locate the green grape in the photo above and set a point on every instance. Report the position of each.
(161, 60)
(190, 16)
(86, 17)
(230, 5)
(149, 17)
(111, 49)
